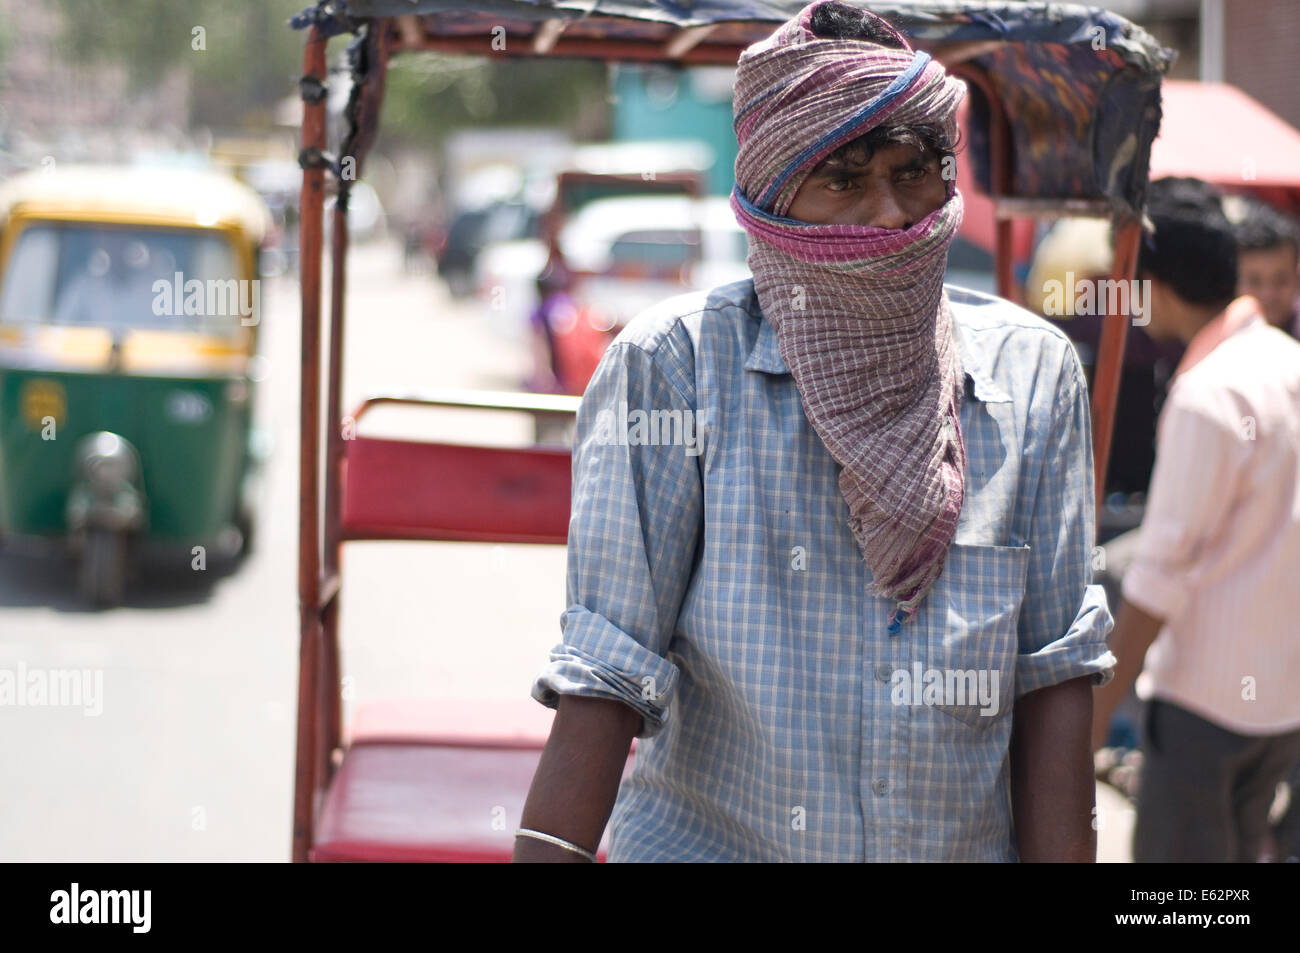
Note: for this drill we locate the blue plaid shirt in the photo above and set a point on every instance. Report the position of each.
(715, 587)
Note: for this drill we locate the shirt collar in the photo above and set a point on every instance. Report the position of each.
(1242, 313)
(765, 357)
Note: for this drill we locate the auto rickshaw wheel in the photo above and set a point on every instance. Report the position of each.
(102, 576)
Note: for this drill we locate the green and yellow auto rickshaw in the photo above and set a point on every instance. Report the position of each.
(129, 307)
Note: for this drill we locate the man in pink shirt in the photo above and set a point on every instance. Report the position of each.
(1212, 588)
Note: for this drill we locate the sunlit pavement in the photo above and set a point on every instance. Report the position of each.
(1114, 826)
(191, 757)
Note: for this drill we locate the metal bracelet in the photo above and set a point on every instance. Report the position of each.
(557, 841)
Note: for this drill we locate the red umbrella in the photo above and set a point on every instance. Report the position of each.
(1248, 148)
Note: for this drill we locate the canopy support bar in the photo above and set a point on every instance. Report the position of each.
(1110, 355)
(308, 766)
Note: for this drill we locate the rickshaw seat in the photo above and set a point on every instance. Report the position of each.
(441, 780)
(424, 802)
(400, 489)
(414, 786)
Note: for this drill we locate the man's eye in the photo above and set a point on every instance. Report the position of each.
(914, 175)
(841, 184)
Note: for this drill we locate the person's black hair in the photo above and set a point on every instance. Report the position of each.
(842, 21)
(1191, 246)
(1264, 228)
(1185, 189)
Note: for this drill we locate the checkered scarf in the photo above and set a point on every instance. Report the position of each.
(860, 313)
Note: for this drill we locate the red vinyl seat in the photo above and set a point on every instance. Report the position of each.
(401, 489)
(415, 802)
(434, 781)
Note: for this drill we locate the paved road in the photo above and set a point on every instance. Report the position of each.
(191, 756)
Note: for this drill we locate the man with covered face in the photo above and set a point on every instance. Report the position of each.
(852, 618)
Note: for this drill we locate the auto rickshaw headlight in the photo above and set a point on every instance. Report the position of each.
(106, 459)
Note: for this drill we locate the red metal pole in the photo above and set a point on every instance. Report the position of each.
(1110, 356)
(309, 757)
(332, 686)
(367, 118)
(1005, 258)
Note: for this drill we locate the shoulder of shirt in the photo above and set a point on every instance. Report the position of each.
(981, 312)
(991, 326)
(1215, 388)
(657, 323)
(1267, 348)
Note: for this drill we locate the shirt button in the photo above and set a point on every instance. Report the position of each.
(884, 671)
(880, 786)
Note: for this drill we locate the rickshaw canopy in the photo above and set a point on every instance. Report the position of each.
(1069, 79)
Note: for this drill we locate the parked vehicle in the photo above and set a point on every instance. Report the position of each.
(566, 257)
(129, 307)
(471, 230)
(626, 254)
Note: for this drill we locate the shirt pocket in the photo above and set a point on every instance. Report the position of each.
(971, 616)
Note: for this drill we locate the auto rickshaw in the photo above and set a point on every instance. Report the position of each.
(129, 306)
(1065, 103)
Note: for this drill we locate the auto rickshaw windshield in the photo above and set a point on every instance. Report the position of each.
(124, 278)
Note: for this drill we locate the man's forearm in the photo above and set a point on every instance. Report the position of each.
(577, 779)
(1052, 788)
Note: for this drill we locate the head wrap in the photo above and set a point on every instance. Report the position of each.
(860, 314)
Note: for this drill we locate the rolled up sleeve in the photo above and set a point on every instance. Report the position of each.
(635, 522)
(1193, 486)
(1064, 619)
